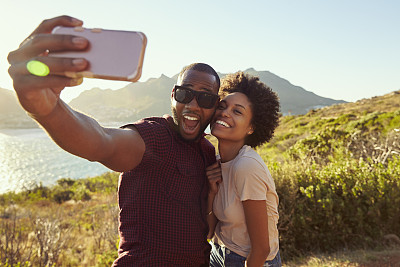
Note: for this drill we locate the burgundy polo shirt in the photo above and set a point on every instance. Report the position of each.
(163, 200)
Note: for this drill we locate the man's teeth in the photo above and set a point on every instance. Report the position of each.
(222, 123)
(191, 118)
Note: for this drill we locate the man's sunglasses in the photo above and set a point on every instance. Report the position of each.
(185, 95)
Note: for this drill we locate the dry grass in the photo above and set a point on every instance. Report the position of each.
(359, 258)
(74, 233)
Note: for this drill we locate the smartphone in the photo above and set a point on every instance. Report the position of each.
(112, 54)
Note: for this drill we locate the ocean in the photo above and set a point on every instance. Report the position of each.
(29, 157)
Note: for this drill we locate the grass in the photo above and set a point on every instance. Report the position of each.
(389, 257)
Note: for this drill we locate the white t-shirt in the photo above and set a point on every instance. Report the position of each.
(246, 177)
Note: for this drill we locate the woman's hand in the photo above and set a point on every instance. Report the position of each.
(214, 176)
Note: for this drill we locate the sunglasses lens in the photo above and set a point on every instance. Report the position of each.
(206, 100)
(183, 96)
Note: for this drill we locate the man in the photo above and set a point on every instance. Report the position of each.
(162, 188)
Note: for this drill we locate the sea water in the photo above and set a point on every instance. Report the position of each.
(29, 157)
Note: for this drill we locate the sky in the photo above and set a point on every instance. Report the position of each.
(340, 49)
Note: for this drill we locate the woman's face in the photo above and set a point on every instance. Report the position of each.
(232, 120)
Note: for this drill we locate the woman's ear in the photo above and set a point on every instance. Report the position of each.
(251, 131)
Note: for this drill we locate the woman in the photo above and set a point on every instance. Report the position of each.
(242, 203)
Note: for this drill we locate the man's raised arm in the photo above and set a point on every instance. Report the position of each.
(118, 149)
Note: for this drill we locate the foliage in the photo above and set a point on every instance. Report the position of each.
(338, 206)
(338, 182)
(107, 258)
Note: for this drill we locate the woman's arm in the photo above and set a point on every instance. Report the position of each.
(256, 215)
(211, 219)
(214, 176)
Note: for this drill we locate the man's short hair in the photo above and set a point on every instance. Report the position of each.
(203, 68)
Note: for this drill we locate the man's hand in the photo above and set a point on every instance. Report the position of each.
(40, 95)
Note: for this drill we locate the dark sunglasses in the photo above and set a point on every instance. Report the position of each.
(185, 95)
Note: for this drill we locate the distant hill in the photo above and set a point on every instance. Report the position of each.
(8, 102)
(134, 101)
(152, 98)
(11, 113)
(294, 99)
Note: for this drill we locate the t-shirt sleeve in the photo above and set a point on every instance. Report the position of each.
(250, 179)
(155, 134)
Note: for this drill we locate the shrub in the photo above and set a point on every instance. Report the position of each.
(81, 193)
(337, 206)
(61, 195)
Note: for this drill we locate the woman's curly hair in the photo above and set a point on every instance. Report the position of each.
(264, 104)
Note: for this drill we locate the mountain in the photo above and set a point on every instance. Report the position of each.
(11, 113)
(130, 103)
(8, 101)
(294, 100)
(152, 98)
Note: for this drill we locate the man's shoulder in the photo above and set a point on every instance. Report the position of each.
(153, 121)
(208, 150)
(152, 129)
(205, 143)
(164, 120)
(149, 122)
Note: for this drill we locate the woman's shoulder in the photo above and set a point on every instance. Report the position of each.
(248, 155)
(250, 175)
(248, 160)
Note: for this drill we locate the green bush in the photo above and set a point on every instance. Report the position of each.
(65, 182)
(61, 195)
(107, 258)
(343, 204)
(81, 193)
(106, 183)
(38, 193)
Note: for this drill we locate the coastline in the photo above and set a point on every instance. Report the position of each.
(29, 157)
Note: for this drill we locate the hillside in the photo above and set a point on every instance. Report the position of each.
(366, 122)
(379, 114)
(337, 174)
